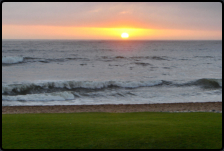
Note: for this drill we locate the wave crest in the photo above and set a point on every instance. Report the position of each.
(11, 59)
(209, 83)
(56, 96)
(66, 85)
(59, 86)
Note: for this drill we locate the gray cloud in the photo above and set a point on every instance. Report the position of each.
(203, 16)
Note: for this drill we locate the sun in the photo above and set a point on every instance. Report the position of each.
(124, 35)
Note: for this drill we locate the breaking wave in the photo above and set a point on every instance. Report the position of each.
(55, 96)
(59, 86)
(7, 60)
(11, 59)
(30, 88)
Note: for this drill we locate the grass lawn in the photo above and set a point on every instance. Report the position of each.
(151, 130)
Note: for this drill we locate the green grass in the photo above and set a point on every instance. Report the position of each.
(112, 130)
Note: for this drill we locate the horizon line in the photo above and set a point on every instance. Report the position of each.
(127, 39)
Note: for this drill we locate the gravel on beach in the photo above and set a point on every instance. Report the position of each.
(120, 108)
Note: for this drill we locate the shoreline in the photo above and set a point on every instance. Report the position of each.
(118, 108)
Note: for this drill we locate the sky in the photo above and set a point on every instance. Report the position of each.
(108, 20)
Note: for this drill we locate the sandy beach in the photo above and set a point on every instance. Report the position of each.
(121, 108)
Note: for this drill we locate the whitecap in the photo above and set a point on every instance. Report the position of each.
(11, 59)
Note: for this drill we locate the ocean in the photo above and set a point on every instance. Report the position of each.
(90, 72)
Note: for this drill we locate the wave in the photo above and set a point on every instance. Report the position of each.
(55, 96)
(12, 59)
(202, 83)
(7, 60)
(142, 64)
(17, 59)
(30, 88)
(48, 60)
(151, 57)
(209, 83)
(59, 86)
(135, 58)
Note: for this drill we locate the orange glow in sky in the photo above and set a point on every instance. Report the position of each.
(141, 21)
(57, 32)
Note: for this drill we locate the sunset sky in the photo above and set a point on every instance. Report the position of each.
(108, 20)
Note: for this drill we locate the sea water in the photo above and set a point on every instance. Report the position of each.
(82, 72)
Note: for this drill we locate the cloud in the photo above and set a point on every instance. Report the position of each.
(161, 15)
(125, 12)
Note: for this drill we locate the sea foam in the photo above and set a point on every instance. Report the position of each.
(11, 59)
(40, 87)
(55, 96)
(53, 86)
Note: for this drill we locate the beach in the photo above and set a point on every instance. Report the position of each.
(120, 108)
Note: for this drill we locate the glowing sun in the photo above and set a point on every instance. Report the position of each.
(124, 35)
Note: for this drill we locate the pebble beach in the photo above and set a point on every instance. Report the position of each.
(121, 108)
